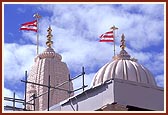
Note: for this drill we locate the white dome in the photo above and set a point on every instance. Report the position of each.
(123, 67)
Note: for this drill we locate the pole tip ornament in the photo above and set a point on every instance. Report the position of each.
(36, 15)
(49, 36)
(114, 28)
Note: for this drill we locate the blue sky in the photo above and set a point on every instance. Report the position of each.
(76, 30)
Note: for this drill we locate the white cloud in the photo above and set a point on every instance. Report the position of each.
(17, 59)
(76, 29)
(160, 80)
(152, 60)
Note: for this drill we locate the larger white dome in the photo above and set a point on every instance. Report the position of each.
(125, 68)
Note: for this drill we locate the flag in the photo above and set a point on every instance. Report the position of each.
(30, 26)
(107, 37)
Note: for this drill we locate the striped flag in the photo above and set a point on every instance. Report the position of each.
(107, 37)
(29, 26)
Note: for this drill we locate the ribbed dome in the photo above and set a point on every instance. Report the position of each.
(123, 67)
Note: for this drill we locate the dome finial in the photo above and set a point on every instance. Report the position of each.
(123, 54)
(49, 36)
(122, 42)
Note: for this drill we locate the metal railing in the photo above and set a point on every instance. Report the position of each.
(50, 88)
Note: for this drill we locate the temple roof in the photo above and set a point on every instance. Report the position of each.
(123, 67)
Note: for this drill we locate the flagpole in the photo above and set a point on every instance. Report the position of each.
(114, 28)
(37, 16)
(114, 42)
(37, 38)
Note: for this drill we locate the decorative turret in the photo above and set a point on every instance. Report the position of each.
(49, 52)
(48, 63)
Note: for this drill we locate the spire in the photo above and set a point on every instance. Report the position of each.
(49, 36)
(123, 53)
(122, 42)
(49, 51)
